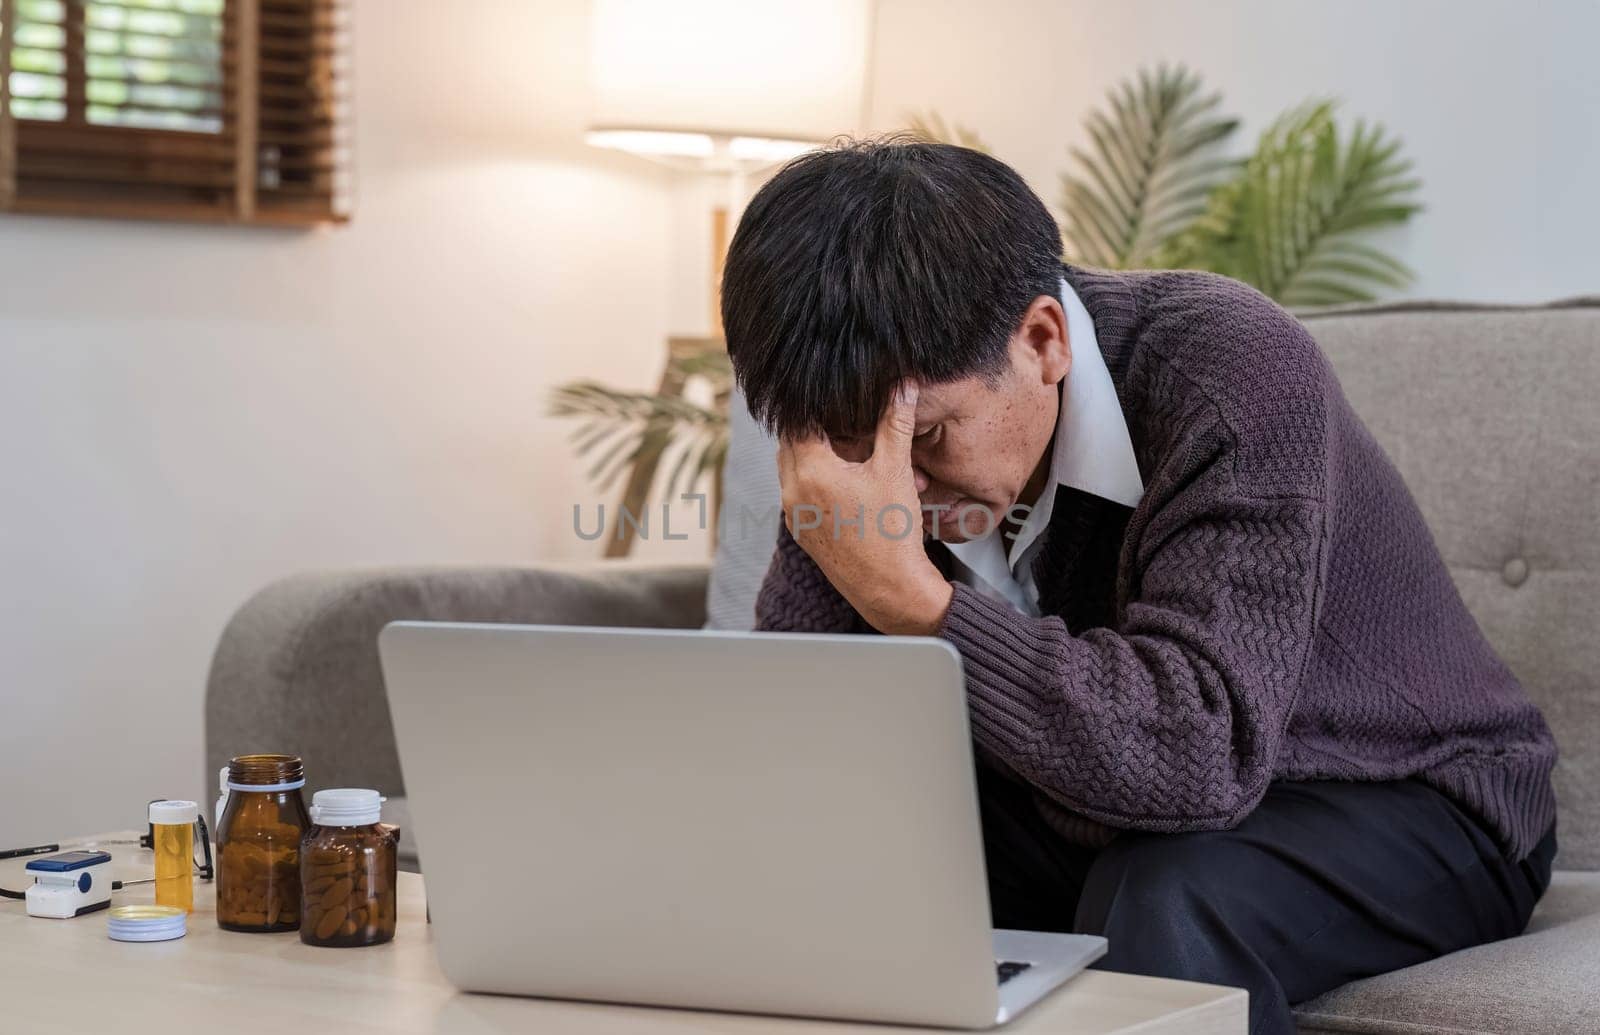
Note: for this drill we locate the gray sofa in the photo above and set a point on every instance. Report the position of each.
(1490, 413)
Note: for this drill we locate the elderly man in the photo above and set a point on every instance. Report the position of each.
(1228, 708)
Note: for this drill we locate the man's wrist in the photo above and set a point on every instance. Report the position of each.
(922, 609)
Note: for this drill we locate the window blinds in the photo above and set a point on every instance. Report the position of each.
(227, 110)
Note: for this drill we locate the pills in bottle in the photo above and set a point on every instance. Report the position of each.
(347, 870)
(258, 844)
(172, 826)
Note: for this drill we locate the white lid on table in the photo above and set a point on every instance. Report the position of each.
(147, 923)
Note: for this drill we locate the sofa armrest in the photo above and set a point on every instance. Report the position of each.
(297, 671)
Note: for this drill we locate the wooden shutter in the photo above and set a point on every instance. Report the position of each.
(303, 168)
(222, 110)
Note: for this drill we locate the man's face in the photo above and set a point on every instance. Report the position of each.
(981, 447)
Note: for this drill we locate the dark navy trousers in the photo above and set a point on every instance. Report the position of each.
(1323, 883)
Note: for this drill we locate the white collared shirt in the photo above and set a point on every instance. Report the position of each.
(1092, 452)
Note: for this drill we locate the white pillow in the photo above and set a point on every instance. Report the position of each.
(748, 526)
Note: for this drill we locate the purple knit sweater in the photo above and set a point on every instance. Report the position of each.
(1274, 608)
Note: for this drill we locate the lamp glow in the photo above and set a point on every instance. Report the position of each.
(653, 142)
(755, 81)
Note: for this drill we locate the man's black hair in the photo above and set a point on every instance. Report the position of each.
(875, 260)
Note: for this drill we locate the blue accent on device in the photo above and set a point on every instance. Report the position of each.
(68, 861)
(85, 882)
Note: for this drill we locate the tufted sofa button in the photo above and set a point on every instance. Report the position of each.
(1515, 572)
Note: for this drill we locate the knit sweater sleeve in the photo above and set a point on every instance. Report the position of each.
(796, 596)
(1173, 719)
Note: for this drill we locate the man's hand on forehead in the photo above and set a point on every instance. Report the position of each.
(858, 447)
(896, 428)
(860, 519)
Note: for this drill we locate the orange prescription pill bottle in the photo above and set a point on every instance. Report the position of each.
(172, 823)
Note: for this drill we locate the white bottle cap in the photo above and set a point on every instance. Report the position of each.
(346, 807)
(173, 813)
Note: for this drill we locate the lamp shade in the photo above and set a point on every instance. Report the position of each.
(670, 75)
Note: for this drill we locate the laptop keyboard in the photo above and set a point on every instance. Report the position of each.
(1008, 969)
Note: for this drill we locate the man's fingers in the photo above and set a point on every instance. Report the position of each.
(801, 459)
(804, 464)
(807, 452)
(785, 462)
(898, 425)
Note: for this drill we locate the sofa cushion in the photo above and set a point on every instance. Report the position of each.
(747, 525)
(1541, 982)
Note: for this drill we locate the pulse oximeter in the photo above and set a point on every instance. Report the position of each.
(70, 884)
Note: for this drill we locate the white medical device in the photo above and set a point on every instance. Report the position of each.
(70, 884)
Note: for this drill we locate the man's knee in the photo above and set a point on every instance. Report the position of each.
(1157, 898)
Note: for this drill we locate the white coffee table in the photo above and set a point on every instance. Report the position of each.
(67, 976)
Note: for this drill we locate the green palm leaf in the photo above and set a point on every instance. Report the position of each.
(617, 429)
(1289, 223)
(1154, 159)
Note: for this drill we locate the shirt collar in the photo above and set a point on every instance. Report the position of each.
(1093, 450)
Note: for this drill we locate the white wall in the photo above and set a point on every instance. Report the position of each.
(190, 412)
(1495, 99)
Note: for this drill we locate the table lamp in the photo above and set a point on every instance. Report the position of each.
(726, 87)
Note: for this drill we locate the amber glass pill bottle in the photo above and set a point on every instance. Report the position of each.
(347, 867)
(258, 844)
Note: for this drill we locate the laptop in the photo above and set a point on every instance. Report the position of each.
(759, 822)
